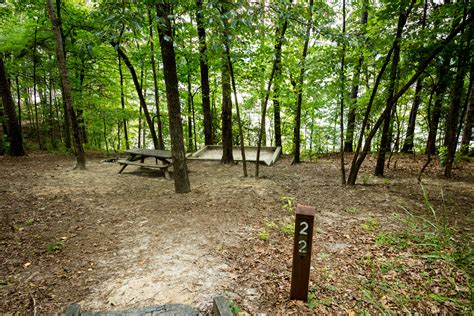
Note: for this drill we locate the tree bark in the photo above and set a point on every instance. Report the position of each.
(122, 101)
(67, 95)
(280, 36)
(14, 132)
(410, 133)
(155, 83)
(206, 106)
(443, 80)
(226, 115)
(343, 78)
(385, 139)
(181, 179)
(450, 140)
(469, 118)
(299, 89)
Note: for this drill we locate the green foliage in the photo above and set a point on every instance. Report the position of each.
(234, 308)
(432, 237)
(288, 203)
(365, 179)
(370, 225)
(55, 245)
(351, 210)
(263, 234)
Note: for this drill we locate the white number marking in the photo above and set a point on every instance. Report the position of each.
(304, 230)
(302, 246)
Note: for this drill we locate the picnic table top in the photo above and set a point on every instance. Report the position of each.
(150, 153)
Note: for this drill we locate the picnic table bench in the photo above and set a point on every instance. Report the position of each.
(137, 158)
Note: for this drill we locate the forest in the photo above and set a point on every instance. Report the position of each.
(347, 89)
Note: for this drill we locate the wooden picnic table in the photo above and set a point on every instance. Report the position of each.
(135, 155)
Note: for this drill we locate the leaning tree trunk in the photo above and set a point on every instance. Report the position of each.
(66, 90)
(122, 101)
(385, 140)
(206, 106)
(138, 88)
(180, 169)
(359, 156)
(264, 107)
(14, 132)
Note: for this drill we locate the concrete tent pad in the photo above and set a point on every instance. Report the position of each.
(268, 155)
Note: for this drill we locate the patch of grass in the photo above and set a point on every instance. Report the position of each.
(370, 225)
(311, 300)
(22, 226)
(288, 229)
(386, 181)
(351, 210)
(323, 255)
(234, 308)
(263, 234)
(365, 179)
(55, 245)
(432, 239)
(288, 204)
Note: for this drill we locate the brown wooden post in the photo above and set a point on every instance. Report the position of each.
(302, 252)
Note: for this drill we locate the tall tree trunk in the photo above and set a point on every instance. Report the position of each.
(138, 88)
(67, 95)
(359, 156)
(206, 107)
(264, 112)
(234, 87)
(443, 80)
(189, 104)
(38, 133)
(450, 140)
(280, 35)
(14, 132)
(227, 155)
(181, 179)
(155, 83)
(122, 100)
(469, 118)
(343, 79)
(299, 88)
(351, 115)
(410, 133)
(385, 140)
(17, 81)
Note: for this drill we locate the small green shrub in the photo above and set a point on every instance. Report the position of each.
(234, 308)
(55, 245)
(365, 179)
(371, 225)
(351, 210)
(263, 234)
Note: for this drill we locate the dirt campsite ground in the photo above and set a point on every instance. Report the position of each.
(112, 241)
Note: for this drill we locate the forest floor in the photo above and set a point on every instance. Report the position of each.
(112, 241)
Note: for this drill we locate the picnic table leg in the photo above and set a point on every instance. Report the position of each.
(167, 174)
(125, 166)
